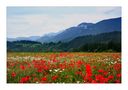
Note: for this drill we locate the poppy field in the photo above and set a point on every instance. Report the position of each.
(63, 67)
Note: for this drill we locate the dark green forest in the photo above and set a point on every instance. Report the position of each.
(105, 42)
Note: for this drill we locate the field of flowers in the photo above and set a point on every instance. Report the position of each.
(66, 67)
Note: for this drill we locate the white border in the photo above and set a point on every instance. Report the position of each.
(5, 3)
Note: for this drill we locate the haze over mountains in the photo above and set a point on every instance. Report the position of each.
(83, 29)
(102, 36)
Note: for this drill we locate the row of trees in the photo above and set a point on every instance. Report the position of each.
(92, 43)
(61, 47)
(100, 47)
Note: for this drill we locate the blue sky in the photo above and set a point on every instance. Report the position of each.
(38, 21)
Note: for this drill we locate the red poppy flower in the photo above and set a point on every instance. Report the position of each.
(54, 78)
(88, 70)
(25, 79)
(39, 70)
(44, 79)
(100, 71)
(118, 75)
(13, 74)
(110, 77)
(22, 67)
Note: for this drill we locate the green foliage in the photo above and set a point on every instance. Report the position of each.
(106, 42)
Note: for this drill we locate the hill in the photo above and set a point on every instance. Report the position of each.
(92, 43)
(104, 26)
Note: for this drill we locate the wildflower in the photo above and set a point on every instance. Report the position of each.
(50, 70)
(78, 73)
(94, 67)
(118, 75)
(110, 77)
(56, 70)
(88, 70)
(117, 67)
(39, 70)
(77, 81)
(101, 79)
(93, 81)
(22, 67)
(43, 79)
(36, 79)
(54, 78)
(105, 73)
(13, 74)
(29, 65)
(60, 71)
(100, 71)
(88, 75)
(37, 82)
(25, 79)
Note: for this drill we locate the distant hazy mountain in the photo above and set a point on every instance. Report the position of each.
(83, 29)
(67, 34)
(31, 38)
(47, 37)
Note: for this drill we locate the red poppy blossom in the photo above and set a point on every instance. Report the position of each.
(13, 74)
(22, 67)
(25, 79)
(100, 70)
(118, 75)
(88, 70)
(54, 78)
(39, 70)
(110, 77)
(43, 79)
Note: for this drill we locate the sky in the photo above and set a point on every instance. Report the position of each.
(39, 21)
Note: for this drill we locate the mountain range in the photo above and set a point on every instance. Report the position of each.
(83, 29)
(90, 43)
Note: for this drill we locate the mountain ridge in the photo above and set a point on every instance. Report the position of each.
(82, 29)
(108, 25)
